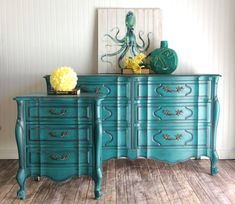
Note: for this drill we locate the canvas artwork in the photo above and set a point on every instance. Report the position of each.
(125, 33)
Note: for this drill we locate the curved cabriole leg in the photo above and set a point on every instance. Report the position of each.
(98, 182)
(216, 111)
(20, 140)
(214, 160)
(98, 149)
(21, 178)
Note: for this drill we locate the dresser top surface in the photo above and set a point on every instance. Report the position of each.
(147, 75)
(93, 96)
(152, 75)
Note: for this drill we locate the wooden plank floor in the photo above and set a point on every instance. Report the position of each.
(125, 181)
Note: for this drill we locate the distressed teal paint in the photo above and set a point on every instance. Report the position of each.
(98, 150)
(137, 107)
(215, 120)
(166, 117)
(20, 140)
(59, 137)
(170, 118)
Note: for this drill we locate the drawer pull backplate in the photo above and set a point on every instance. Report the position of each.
(59, 158)
(167, 137)
(54, 112)
(63, 134)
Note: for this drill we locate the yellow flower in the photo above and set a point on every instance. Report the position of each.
(137, 69)
(63, 79)
(139, 57)
(135, 63)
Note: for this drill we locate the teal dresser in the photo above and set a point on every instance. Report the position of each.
(59, 137)
(170, 118)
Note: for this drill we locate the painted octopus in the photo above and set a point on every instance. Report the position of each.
(128, 44)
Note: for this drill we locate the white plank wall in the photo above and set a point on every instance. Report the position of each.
(38, 35)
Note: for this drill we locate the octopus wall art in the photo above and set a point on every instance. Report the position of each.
(127, 45)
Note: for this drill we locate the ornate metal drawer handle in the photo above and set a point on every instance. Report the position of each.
(63, 134)
(167, 137)
(59, 158)
(168, 89)
(169, 113)
(54, 112)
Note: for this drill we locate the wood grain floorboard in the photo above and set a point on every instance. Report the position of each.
(81, 195)
(208, 182)
(124, 181)
(43, 191)
(148, 181)
(71, 191)
(129, 182)
(90, 193)
(120, 185)
(185, 192)
(225, 181)
(226, 184)
(139, 192)
(168, 185)
(161, 193)
(194, 183)
(203, 184)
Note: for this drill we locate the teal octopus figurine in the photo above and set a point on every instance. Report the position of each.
(162, 60)
(128, 45)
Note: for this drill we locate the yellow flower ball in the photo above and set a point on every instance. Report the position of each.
(63, 79)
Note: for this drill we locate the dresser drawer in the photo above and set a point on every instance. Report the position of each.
(109, 89)
(59, 156)
(82, 134)
(58, 111)
(172, 137)
(117, 137)
(116, 112)
(184, 89)
(171, 112)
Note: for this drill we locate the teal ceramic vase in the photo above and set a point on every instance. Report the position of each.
(162, 60)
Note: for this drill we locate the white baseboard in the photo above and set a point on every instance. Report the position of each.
(226, 154)
(13, 154)
(8, 153)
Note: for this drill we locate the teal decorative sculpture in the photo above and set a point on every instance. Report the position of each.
(162, 60)
(128, 44)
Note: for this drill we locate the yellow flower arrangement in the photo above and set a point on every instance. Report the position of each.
(136, 63)
(63, 79)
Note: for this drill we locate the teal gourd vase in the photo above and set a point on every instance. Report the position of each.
(162, 60)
